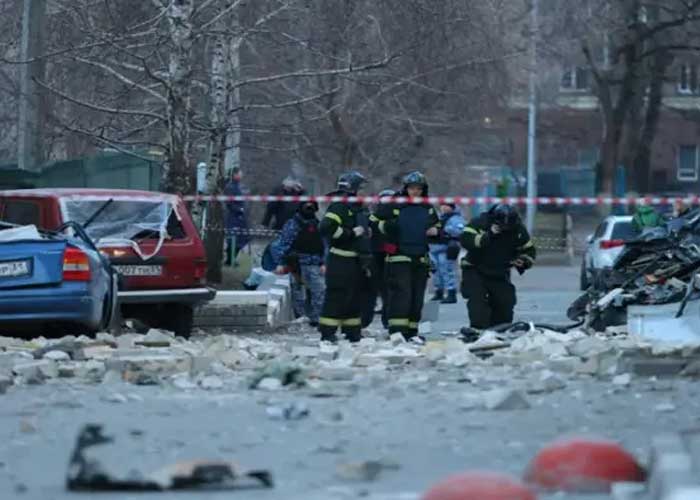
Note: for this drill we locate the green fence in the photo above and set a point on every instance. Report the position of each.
(110, 170)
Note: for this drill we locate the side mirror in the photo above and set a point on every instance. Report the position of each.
(589, 239)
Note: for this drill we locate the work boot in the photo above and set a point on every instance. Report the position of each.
(451, 297)
(469, 334)
(439, 295)
(353, 336)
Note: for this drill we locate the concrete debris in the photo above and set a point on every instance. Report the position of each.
(211, 383)
(397, 339)
(287, 374)
(156, 335)
(269, 384)
(293, 411)
(366, 471)
(183, 382)
(305, 352)
(548, 381)
(36, 372)
(505, 400)
(665, 408)
(57, 356)
(114, 398)
(91, 371)
(623, 380)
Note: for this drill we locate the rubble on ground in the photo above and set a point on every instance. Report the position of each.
(537, 361)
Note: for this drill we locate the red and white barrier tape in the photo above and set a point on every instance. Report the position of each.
(458, 200)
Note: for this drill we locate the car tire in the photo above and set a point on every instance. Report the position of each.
(584, 281)
(179, 319)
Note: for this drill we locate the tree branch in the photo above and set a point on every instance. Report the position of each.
(95, 107)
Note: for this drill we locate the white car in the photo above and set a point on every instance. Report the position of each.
(603, 246)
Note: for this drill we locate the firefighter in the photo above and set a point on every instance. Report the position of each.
(496, 242)
(300, 250)
(345, 227)
(377, 285)
(407, 226)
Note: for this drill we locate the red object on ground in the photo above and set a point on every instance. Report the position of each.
(583, 466)
(479, 486)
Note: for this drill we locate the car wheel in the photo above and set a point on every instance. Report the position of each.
(179, 319)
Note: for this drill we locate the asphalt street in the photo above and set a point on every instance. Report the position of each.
(418, 422)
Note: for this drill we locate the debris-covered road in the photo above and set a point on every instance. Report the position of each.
(380, 420)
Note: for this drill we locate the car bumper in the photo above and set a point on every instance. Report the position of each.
(182, 295)
(49, 305)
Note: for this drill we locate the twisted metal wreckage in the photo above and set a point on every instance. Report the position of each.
(659, 267)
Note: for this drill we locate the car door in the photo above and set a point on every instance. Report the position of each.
(594, 245)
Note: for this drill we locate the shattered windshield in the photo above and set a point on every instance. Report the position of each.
(123, 221)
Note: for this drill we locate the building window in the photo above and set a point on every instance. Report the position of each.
(688, 163)
(575, 79)
(688, 79)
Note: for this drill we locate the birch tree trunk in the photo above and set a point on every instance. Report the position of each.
(177, 171)
(214, 238)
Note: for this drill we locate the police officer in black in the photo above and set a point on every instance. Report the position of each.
(408, 226)
(496, 242)
(345, 227)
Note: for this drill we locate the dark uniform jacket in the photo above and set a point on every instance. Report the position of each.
(405, 225)
(337, 227)
(493, 254)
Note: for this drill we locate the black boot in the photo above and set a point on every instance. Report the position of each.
(439, 295)
(469, 334)
(451, 297)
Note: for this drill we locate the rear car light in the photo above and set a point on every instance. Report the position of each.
(200, 270)
(76, 265)
(113, 252)
(608, 244)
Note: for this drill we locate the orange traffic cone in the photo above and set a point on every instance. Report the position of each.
(479, 486)
(583, 466)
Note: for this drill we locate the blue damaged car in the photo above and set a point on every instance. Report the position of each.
(54, 283)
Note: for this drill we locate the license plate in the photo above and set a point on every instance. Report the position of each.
(139, 270)
(15, 268)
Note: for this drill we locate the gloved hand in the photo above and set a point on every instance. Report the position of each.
(522, 264)
(358, 231)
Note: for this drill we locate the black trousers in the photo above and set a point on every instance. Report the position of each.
(342, 306)
(490, 300)
(406, 282)
(376, 287)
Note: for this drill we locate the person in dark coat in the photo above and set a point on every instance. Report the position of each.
(344, 227)
(408, 226)
(237, 236)
(281, 211)
(301, 252)
(496, 241)
(377, 282)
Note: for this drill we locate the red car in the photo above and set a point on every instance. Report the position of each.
(149, 237)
